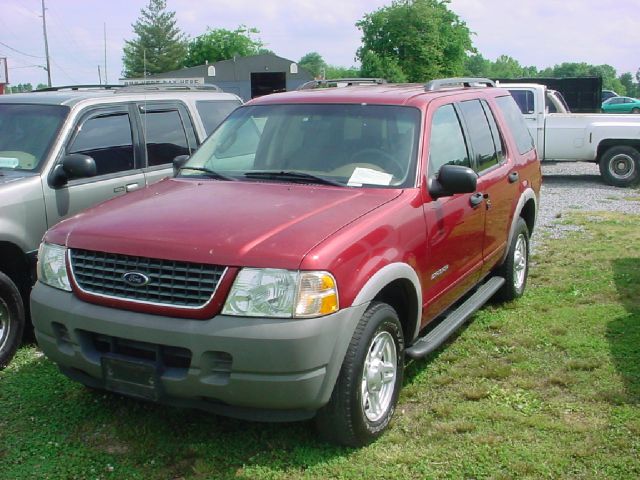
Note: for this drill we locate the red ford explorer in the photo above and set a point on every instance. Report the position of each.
(313, 241)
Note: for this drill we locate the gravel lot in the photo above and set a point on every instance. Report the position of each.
(571, 186)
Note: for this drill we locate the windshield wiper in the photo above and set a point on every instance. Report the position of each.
(297, 177)
(210, 173)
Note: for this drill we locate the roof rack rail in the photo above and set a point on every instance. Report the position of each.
(340, 82)
(465, 82)
(78, 87)
(167, 87)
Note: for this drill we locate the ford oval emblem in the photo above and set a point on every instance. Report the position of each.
(135, 279)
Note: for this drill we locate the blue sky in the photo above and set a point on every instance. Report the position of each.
(535, 32)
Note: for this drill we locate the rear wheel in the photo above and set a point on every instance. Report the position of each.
(366, 392)
(620, 166)
(11, 319)
(515, 268)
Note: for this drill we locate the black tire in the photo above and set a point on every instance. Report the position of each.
(11, 319)
(346, 419)
(620, 166)
(515, 268)
(635, 110)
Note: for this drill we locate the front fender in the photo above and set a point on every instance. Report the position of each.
(386, 275)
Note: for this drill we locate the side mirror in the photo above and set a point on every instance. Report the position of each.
(178, 163)
(74, 165)
(453, 179)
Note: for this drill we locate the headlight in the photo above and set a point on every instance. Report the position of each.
(52, 268)
(269, 292)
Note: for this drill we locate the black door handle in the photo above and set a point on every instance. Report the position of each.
(476, 199)
(513, 177)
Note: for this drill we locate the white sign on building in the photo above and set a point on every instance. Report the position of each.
(4, 71)
(173, 81)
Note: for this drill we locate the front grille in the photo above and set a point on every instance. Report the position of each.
(170, 283)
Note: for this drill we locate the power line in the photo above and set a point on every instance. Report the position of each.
(18, 51)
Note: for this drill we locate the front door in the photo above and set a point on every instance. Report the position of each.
(455, 226)
(107, 135)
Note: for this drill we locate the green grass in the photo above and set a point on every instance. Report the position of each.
(544, 387)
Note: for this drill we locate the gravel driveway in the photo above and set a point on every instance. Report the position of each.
(571, 186)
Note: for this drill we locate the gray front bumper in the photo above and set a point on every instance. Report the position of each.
(266, 369)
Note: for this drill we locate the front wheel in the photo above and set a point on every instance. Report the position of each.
(620, 166)
(366, 392)
(515, 268)
(11, 319)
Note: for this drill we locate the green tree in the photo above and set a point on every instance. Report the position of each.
(506, 67)
(626, 79)
(476, 65)
(159, 45)
(374, 65)
(221, 44)
(422, 39)
(314, 64)
(334, 71)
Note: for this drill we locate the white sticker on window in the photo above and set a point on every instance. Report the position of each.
(368, 176)
(8, 162)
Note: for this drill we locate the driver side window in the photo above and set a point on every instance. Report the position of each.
(447, 145)
(107, 139)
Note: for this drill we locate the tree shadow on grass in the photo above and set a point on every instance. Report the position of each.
(623, 333)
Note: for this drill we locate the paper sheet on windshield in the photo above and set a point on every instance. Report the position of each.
(367, 176)
(8, 162)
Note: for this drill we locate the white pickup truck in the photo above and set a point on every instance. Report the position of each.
(612, 141)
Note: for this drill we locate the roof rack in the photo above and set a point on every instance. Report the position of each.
(465, 82)
(340, 82)
(167, 87)
(78, 87)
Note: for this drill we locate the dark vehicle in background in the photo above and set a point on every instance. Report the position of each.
(311, 243)
(607, 94)
(66, 149)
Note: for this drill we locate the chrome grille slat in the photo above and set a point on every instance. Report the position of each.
(171, 283)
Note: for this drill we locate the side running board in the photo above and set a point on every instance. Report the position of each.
(436, 337)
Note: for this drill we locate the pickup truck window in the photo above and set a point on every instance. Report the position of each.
(165, 136)
(107, 139)
(447, 145)
(525, 100)
(480, 135)
(515, 120)
(213, 112)
(27, 132)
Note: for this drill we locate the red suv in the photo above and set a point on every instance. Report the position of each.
(311, 243)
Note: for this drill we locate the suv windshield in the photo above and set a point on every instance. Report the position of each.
(353, 145)
(27, 132)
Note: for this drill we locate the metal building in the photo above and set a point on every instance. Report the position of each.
(247, 77)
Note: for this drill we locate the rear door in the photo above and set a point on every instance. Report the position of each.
(455, 226)
(108, 135)
(497, 178)
(166, 132)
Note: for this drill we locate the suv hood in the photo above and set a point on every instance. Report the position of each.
(224, 223)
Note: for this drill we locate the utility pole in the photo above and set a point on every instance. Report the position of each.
(46, 44)
(106, 78)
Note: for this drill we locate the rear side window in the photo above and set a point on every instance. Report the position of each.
(480, 134)
(447, 145)
(107, 139)
(165, 136)
(213, 112)
(524, 100)
(515, 121)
